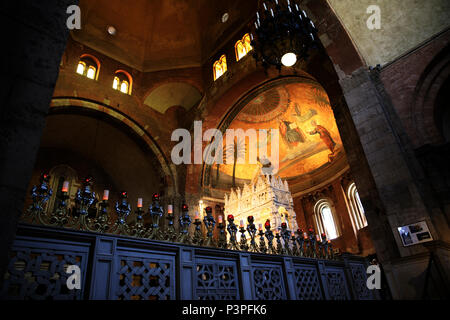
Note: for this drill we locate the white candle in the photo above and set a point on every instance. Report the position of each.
(242, 223)
(169, 209)
(220, 219)
(139, 203)
(105, 195)
(197, 216)
(65, 187)
(260, 226)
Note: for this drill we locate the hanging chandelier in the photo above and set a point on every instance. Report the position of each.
(284, 34)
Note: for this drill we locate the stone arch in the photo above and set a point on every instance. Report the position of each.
(60, 104)
(173, 93)
(426, 93)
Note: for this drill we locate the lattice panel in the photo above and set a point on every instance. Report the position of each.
(359, 277)
(40, 274)
(268, 283)
(145, 279)
(337, 286)
(307, 286)
(216, 280)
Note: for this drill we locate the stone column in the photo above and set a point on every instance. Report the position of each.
(395, 176)
(34, 37)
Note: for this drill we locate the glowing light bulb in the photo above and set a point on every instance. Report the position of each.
(289, 59)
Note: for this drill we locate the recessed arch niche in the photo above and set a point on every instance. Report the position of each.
(297, 106)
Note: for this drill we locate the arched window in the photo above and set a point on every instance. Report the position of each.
(243, 47)
(356, 209)
(88, 66)
(325, 219)
(220, 67)
(122, 82)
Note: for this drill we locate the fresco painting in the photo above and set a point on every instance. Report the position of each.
(309, 138)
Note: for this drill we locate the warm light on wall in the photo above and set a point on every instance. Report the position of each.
(243, 47)
(122, 82)
(220, 67)
(88, 66)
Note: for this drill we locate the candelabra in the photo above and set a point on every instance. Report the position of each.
(243, 243)
(330, 248)
(295, 251)
(304, 244)
(101, 222)
(61, 216)
(40, 195)
(280, 248)
(312, 243)
(232, 230)
(269, 237)
(170, 234)
(284, 34)
(285, 234)
(123, 209)
(198, 236)
(262, 242)
(251, 229)
(138, 229)
(301, 242)
(222, 243)
(185, 223)
(210, 223)
(84, 199)
(156, 212)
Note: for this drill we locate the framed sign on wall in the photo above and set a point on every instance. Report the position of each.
(415, 233)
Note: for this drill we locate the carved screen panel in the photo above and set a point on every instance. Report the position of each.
(268, 281)
(307, 285)
(37, 272)
(359, 278)
(337, 285)
(216, 280)
(144, 277)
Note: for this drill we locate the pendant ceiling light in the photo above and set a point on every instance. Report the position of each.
(284, 34)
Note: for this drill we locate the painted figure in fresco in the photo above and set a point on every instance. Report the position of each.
(302, 118)
(291, 133)
(326, 138)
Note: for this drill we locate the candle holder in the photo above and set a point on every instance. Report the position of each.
(232, 230)
(295, 251)
(243, 243)
(222, 243)
(123, 209)
(40, 195)
(170, 234)
(262, 242)
(61, 215)
(101, 222)
(312, 243)
(138, 229)
(323, 246)
(269, 237)
(285, 234)
(301, 242)
(210, 223)
(185, 223)
(198, 236)
(251, 229)
(84, 199)
(280, 248)
(156, 212)
(331, 252)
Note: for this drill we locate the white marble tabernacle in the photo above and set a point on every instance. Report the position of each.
(267, 197)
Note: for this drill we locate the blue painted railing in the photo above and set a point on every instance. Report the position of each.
(118, 267)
